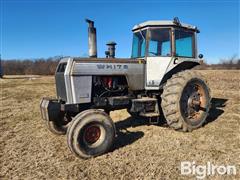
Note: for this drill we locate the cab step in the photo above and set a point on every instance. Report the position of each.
(149, 114)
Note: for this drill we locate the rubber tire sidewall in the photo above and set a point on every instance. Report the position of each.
(76, 127)
(195, 125)
(56, 129)
(171, 96)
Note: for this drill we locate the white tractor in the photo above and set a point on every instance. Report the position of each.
(156, 80)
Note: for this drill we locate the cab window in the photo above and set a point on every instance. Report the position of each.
(159, 42)
(184, 43)
(139, 44)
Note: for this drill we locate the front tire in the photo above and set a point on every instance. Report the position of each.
(59, 126)
(185, 101)
(90, 134)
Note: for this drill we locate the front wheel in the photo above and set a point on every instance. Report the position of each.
(186, 101)
(59, 126)
(91, 133)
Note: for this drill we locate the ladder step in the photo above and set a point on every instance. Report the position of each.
(144, 99)
(146, 106)
(149, 114)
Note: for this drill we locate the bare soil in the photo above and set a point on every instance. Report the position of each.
(141, 151)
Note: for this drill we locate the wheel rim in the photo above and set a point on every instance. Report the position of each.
(92, 133)
(193, 102)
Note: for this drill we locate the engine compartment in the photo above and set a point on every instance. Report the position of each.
(107, 86)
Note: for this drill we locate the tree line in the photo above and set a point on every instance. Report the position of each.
(228, 63)
(48, 66)
(30, 66)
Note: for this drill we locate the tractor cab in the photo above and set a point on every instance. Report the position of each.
(164, 39)
(164, 45)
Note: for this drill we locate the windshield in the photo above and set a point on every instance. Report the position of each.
(159, 42)
(139, 44)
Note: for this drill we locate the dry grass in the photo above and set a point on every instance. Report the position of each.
(29, 150)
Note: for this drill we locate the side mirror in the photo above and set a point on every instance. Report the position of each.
(200, 56)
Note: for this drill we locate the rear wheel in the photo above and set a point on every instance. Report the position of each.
(185, 101)
(91, 133)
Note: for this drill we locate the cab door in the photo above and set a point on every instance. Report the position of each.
(156, 68)
(159, 56)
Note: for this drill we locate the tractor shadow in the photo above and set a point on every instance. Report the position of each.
(217, 109)
(126, 137)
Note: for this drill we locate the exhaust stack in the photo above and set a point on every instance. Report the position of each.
(92, 39)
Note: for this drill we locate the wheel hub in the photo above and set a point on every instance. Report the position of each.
(192, 101)
(92, 134)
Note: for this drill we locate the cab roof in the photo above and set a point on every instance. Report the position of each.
(158, 23)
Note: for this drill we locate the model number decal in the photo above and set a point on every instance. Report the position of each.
(111, 66)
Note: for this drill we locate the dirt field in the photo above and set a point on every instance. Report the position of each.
(29, 150)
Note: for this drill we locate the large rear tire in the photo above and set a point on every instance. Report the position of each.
(90, 134)
(186, 101)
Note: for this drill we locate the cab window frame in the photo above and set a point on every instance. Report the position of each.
(139, 48)
(193, 42)
(170, 39)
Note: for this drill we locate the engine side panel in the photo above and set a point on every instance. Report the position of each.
(134, 72)
(81, 89)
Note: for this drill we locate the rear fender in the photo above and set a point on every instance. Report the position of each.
(180, 67)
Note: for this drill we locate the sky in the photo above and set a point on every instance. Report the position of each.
(47, 28)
